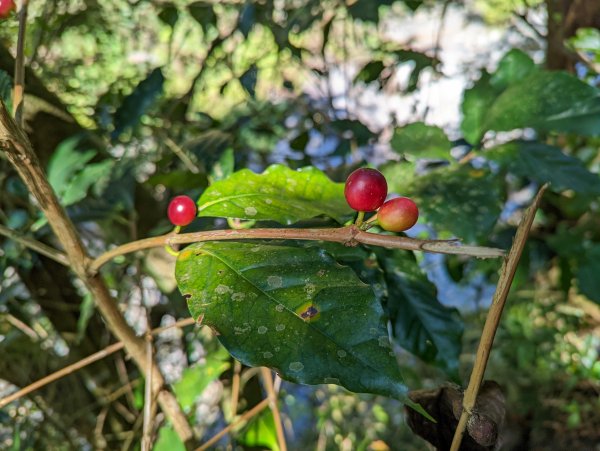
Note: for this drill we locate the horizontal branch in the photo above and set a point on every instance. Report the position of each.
(111, 349)
(35, 245)
(346, 235)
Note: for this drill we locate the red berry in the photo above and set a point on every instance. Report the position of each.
(398, 214)
(182, 210)
(6, 6)
(365, 189)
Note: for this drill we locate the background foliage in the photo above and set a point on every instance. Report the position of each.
(130, 103)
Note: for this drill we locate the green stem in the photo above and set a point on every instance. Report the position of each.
(359, 218)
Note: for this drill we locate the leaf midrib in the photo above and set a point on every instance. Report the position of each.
(272, 299)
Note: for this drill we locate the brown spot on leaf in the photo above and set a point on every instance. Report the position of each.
(309, 313)
(187, 296)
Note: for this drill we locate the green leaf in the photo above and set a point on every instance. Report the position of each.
(136, 104)
(462, 200)
(474, 107)
(169, 15)
(6, 87)
(547, 101)
(203, 13)
(294, 310)
(421, 62)
(278, 194)
(420, 323)
(587, 274)
(421, 141)
(224, 166)
(66, 161)
(196, 379)
(370, 72)
(513, 67)
(168, 440)
(399, 176)
(86, 310)
(248, 80)
(365, 10)
(96, 174)
(544, 163)
(261, 432)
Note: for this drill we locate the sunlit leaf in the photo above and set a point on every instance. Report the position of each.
(279, 194)
(421, 141)
(196, 379)
(66, 161)
(261, 432)
(168, 440)
(294, 310)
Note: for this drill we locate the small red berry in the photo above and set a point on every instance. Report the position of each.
(6, 7)
(182, 210)
(398, 214)
(365, 189)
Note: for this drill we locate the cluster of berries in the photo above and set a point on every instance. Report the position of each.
(366, 190)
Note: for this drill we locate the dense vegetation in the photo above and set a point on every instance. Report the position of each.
(129, 104)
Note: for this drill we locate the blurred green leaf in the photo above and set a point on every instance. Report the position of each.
(203, 13)
(460, 199)
(544, 163)
(474, 107)
(278, 194)
(135, 105)
(547, 101)
(421, 62)
(365, 10)
(86, 310)
(6, 87)
(224, 166)
(399, 176)
(588, 281)
(96, 174)
(247, 18)
(421, 141)
(370, 72)
(248, 80)
(513, 67)
(67, 161)
(294, 310)
(168, 440)
(353, 129)
(520, 95)
(169, 14)
(196, 379)
(420, 323)
(587, 40)
(260, 432)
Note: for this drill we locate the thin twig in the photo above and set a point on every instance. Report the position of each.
(20, 153)
(146, 439)
(235, 387)
(246, 416)
(346, 235)
(19, 89)
(493, 318)
(35, 245)
(272, 397)
(111, 349)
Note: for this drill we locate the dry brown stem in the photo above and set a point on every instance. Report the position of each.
(20, 153)
(493, 318)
